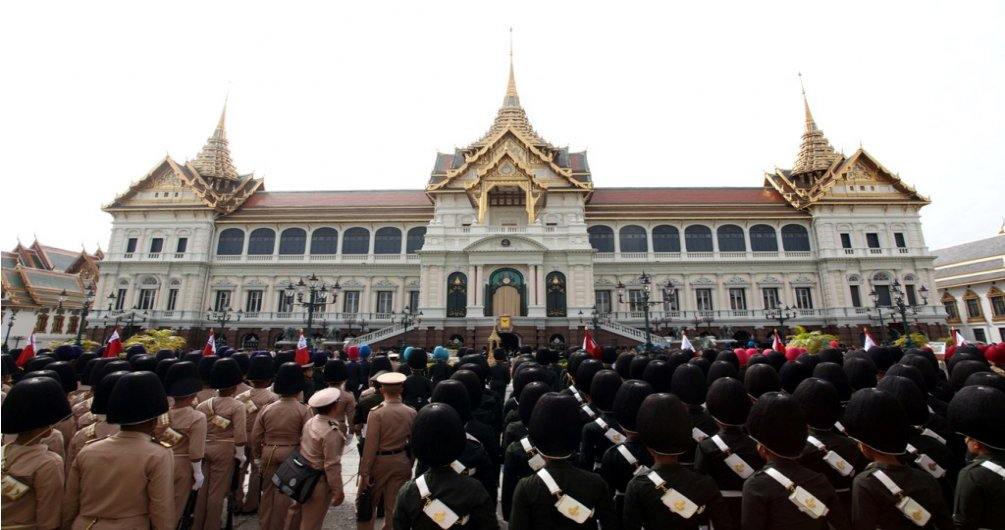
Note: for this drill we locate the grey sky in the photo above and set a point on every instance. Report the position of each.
(361, 95)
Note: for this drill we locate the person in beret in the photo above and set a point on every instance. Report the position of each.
(386, 465)
(604, 431)
(259, 371)
(97, 425)
(184, 432)
(321, 446)
(671, 495)
(778, 425)
(474, 461)
(877, 421)
(621, 462)
(33, 475)
(438, 440)
(515, 459)
(277, 429)
(976, 412)
(728, 405)
(226, 436)
(553, 434)
(125, 480)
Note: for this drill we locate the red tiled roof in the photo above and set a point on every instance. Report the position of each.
(636, 196)
(308, 199)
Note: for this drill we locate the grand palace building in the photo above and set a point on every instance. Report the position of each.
(513, 239)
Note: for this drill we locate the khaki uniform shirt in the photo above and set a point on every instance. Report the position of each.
(231, 409)
(98, 430)
(279, 423)
(255, 400)
(321, 444)
(345, 409)
(42, 471)
(388, 428)
(192, 424)
(126, 476)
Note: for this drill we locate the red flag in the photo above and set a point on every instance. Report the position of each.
(28, 353)
(590, 346)
(303, 355)
(958, 339)
(869, 342)
(114, 346)
(210, 347)
(777, 344)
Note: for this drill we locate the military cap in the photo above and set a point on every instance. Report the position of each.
(603, 388)
(545, 356)
(243, 361)
(391, 378)
(776, 422)
(335, 371)
(437, 435)
(962, 370)
(7, 364)
(136, 398)
(658, 374)
(757, 359)
(206, 366)
(381, 363)
(638, 366)
(472, 383)
(474, 368)
(831, 355)
(165, 354)
(182, 380)
(324, 397)
(225, 374)
(910, 396)
(584, 375)
(810, 360)
(529, 398)
(701, 362)
(720, 369)
(689, 384)
(418, 359)
(261, 368)
(861, 372)
(555, 426)
(929, 372)
(63, 352)
(143, 363)
(627, 401)
(728, 401)
(499, 354)
(884, 357)
(664, 424)
(761, 378)
(95, 370)
(730, 357)
(47, 373)
(975, 411)
(103, 392)
(39, 362)
(81, 363)
(33, 403)
(526, 374)
(622, 365)
(609, 355)
(453, 393)
(792, 373)
(819, 401)
(135, 349)
(876, 419)
(776, 359)
(990, 379)
(573, 364)
(908, 371)
(964, 356)
(193, 357)
(440, 353)
(67, 375)
(289, 379)
(835, 375)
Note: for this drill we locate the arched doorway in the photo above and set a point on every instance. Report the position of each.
(509, 341)
(250, 342)
(505, 293)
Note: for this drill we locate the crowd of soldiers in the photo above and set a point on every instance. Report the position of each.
(611, 439)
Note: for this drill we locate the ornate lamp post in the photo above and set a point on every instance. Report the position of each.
(222, 317)
(594, 319)
(10, 319)
(133, 319)
(84, 310)
(313, 296)
(902, 305)
(781, 314)
(407, 318)
(646, 281)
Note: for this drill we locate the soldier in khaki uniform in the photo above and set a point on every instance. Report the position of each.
(99, 429)
(226, 435)
(184, 432)
(124, 481)
(275, 433)
(321, 445)
(261, 370)
(32, 475)
(335, 376)
(385, 464)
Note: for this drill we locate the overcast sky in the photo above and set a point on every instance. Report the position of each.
(351, 95)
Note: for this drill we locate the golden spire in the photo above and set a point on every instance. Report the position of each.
(512, 99)
(1001, 231)
(214, 159)
(815, 151)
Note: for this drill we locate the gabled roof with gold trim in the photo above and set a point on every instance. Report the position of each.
(35, 276)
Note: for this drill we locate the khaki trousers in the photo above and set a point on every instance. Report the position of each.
(390, 473)
(218, 469)
(311, 513)
(183, 482)
(272, 508)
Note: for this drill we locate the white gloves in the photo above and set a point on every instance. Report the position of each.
(197, 475)
(240, 456)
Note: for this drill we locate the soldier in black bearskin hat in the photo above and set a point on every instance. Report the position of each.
(783, 493)
(32, 475)
(604, 431)
(689, 385)
(417, 388)
(473, 461)
(259, 373)
(226, 435)
(629, 458)
(519, 451)
(125, 480)
(671, 495)
(97, 427)
(336, 375)
(559, 495)
(976, 412)
(440, 497)
(184, 432)
(888, 494)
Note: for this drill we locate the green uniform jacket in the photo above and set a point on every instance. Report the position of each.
(766, 503)
(534, 506)
(644, 506)
(464, 495)
(980, 496)
(873, 506)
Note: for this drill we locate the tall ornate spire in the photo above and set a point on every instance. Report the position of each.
(815, 152)
(214, 159)
(512, 99)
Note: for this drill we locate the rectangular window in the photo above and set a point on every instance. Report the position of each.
(635, 302)
(912, 297)
(672, 302)
(284, 304)
(973, 308)
(146, 300)
(856, 296)
(770, 297)
(998, 306)
(1001, 334)
(882, 295)
(156, 245)
(254, 302)
(872, 240)
(413, 301)
(898, 239)
(385, 301)
(172, 299)
(845, 240)
(120, 300)
(703, 299)
(131, 245)
(804, 299)
(952, 311)
(979, 335)
(738, 299)
(182, 245)
(350, 302)
(602, 302)
(72, 323)
(57, 324)
(222, 301)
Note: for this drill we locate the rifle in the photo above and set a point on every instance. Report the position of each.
(188, 515)
(235, 483)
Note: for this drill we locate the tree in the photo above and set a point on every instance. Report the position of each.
(157, 339)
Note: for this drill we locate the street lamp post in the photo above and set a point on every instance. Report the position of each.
(646, 281)
(781, 314)
(10, 320)
(594, 319)
(879, 313)
(313, 296)
(407, 318)
(133, 319)
(902, 305)
(222, 316)
(84, 310)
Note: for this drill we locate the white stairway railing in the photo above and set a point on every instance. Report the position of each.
(378, 335)
(632, 333)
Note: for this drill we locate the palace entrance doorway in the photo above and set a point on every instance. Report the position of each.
(506, 293)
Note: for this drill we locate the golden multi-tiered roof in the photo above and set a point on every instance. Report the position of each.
(511, 116)
(815, 151)
(214, 159)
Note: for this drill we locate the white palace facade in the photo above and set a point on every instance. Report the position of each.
(511, 236)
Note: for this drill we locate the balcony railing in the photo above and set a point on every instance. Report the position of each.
(635, 257)
(284, 318)
(327, 258)
(719, 316)
(866, 252)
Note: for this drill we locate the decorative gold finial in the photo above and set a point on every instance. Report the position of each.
(1001, 231)
(223, 115)
(512, 99)
(815, 152)
(810, 125)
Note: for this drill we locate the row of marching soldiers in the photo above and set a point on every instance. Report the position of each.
(876, 439)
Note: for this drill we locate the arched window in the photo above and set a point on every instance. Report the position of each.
(261, 241)
(387, 240)
(555, 284)
(731, 239)
(633, 239)
(457, 295)
(231, 242)
(763, 238)
(324, 241)
(356, 241)
(666, 238)
(416, 238)
(292, 241)
(601, 238)
(795, 238)
(698, 238)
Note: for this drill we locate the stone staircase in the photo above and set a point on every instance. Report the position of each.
(378, 335)
(632, 333)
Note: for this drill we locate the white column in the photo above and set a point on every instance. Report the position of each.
(479, 285)
(539, 285)
(472, 286)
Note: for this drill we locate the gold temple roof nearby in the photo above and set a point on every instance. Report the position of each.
(815, 151)
(214, 159)
(511, 116)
